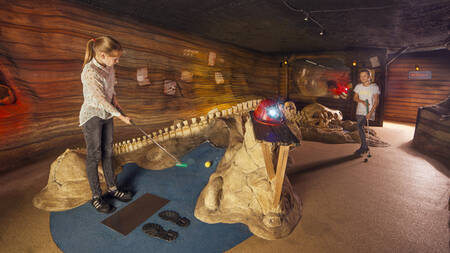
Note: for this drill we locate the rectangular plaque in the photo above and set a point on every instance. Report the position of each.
(419, 75)
(142, 76)
(170, 87)
(128, 218)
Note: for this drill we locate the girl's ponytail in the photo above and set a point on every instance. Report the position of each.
(105, 44)
(89, 51)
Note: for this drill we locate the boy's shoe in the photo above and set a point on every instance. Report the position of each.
(102, 206)
(361, 151)
(124, 196)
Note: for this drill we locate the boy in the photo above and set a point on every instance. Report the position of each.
(365, 92)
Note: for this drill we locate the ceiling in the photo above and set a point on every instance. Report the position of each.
(278, 26)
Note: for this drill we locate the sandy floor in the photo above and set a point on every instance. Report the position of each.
(397, 202)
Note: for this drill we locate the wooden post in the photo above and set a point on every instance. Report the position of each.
(284, 80)
(281, 136)
(281, 169)
(268, 160)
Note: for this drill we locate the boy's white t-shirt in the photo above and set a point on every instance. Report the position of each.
(366, 93)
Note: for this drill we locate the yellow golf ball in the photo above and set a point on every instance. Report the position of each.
(207, 164)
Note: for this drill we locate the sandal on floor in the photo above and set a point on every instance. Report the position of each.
(157, 231)
(175, 218)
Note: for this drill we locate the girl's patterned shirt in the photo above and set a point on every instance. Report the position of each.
(98, 91)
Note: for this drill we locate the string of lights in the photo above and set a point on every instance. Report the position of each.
(308, 16)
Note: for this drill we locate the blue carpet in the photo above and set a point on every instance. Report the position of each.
(80, 229)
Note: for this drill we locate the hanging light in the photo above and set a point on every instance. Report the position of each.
(306, 17)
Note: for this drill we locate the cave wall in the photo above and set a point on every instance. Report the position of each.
(42, 45)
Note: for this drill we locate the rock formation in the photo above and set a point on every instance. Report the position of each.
(432, 135)
(240, 190)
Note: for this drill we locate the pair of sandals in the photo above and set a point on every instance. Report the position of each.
(156, 230)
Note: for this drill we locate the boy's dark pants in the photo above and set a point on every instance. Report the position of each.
(362, 121)
(98, 134)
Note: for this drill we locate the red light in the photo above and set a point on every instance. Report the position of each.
(340, 89)
(269, 113)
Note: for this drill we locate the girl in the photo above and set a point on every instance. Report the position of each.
(99, 107)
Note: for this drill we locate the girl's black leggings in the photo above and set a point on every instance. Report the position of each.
(98, 134)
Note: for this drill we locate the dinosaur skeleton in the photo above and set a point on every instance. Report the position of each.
(239, 191)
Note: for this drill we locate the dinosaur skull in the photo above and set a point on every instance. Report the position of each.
(317, 115)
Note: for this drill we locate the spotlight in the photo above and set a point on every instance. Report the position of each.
(322, 33)
(306, 17)
(273, 113)
(354, 63)
(417, 67)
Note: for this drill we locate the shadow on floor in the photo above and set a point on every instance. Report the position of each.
(310, 167)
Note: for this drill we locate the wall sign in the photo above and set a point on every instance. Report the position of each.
(142, 76)
(219, 78)
(211, 59)
(190, 52)
(187, 76)
(170, 87)
(419, 75)
(374, 61)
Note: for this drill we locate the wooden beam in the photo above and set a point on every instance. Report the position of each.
(286, 81)
(396, 55)
(268, 159)
(281, 169)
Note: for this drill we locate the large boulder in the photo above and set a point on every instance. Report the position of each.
(240, 190)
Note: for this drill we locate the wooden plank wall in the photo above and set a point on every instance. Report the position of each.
(42, 45)
(404, 96)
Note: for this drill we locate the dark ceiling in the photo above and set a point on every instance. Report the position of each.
(271, 26)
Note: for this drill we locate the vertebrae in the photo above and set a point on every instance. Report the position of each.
(184, 129)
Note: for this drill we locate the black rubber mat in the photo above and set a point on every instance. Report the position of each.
(128, 218)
